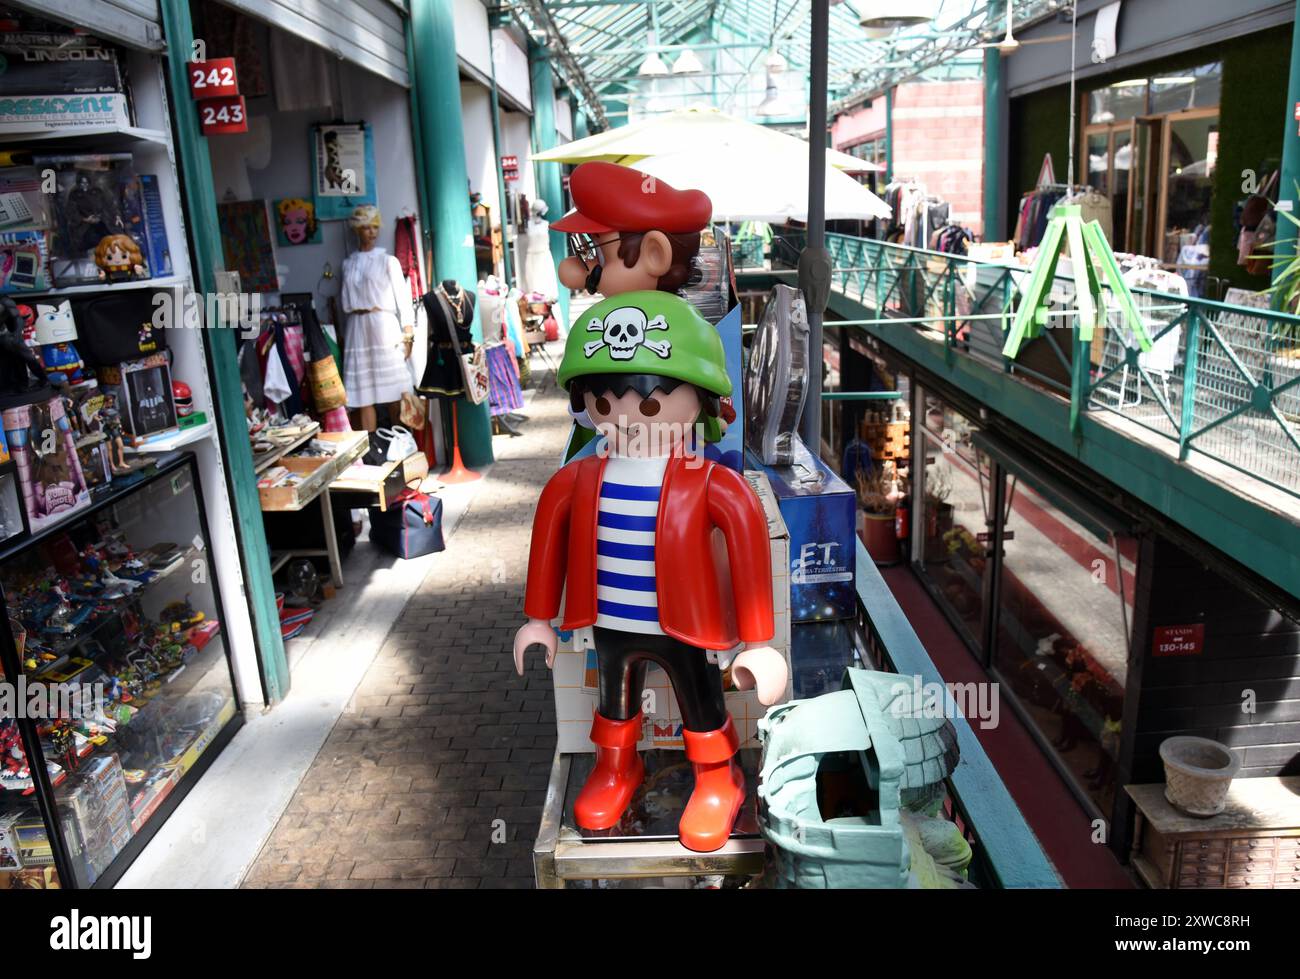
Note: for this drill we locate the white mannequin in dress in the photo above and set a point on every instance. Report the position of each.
(539, 266)
(380, 324)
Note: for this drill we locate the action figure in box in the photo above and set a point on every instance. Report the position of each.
(632, 531)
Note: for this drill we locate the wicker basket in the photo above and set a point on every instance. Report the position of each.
(1198, 773)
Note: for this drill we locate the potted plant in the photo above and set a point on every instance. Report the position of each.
(878, 495)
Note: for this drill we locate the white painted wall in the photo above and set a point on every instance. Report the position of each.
(283, 169)
(473, 44)
(512, 68)
(480, 152)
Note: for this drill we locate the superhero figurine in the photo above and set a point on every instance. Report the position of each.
(628, 535)
(630, 231)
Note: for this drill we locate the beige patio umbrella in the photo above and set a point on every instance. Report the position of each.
(694, 130)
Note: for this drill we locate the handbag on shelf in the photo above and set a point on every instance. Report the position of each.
(399, 443)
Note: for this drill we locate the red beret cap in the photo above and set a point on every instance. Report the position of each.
(609, 197)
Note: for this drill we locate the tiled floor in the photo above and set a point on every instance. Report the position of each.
(436, 772)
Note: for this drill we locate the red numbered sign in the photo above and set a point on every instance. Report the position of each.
(213, 79)
(218, 117)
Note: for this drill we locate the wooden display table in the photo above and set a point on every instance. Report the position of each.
(319, 472)
(1253, 843)
(383, 484)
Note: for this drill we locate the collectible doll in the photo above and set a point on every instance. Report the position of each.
(119, 259)
(112, 419)
(55, 332)
(628, 536)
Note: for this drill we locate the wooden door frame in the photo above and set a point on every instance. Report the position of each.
(1167, 121)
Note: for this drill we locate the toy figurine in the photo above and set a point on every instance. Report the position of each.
(20, 368)
(627, 535)
(55, 331)
(112, 419)
(119, 259)
(630, 231)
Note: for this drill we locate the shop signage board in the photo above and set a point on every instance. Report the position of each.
(1179, 640)
(215, 78)
(223, 116)
(510, 167)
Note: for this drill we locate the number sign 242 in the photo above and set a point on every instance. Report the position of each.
(213, 79)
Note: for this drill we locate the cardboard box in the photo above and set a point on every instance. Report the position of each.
(143, 389)
(820, 513)
(10, 855)
(41, 441)
(37, 62)
(96, 801)
(574, 673)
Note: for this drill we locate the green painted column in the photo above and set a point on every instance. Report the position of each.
(580, 128)
(227, 388)
(889, 135)
(446, 179)
(502, 215)
(995, 211)
(1286, 246)
(549, 187)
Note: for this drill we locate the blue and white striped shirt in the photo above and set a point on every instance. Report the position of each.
(625, 545)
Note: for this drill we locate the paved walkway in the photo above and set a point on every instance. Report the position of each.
(435, 774)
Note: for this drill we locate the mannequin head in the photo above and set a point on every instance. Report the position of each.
(365, 222)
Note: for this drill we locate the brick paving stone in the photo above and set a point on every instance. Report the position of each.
(441, 738)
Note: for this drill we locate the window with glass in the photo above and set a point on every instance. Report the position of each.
(951, 549)
(115, 614)
(1150, 145)
(1061, 641)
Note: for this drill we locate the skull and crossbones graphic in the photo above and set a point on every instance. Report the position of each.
(622, 331)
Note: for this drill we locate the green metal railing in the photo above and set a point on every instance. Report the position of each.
(1006, 852)
(1221, 380)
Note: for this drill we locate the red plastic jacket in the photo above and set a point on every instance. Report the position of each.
(702, 505)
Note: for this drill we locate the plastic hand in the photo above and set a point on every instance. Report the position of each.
(536, 632)
(762, 669)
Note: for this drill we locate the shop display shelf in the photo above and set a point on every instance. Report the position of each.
(106, 139)
(158, 282)
(66, 644)
(121, 487)
(174, 440)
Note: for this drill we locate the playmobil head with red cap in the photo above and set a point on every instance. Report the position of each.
(629, 231)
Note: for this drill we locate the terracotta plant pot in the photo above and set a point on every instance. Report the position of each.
(1198, 774)
(877, 533)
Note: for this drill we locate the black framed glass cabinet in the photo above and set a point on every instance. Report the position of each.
(119, 687)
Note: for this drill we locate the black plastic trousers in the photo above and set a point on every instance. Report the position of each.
(622, 659)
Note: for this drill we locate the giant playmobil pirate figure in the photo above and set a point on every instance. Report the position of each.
(632, 531)
(629, 231)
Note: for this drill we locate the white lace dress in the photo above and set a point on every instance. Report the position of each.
(374, 367)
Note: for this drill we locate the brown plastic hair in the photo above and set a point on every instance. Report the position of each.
(130, 247)
(685, 246)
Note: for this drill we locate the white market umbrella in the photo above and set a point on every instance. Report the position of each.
(773, 188)
(704, 131)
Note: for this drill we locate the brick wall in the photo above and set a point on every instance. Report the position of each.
(939, 139)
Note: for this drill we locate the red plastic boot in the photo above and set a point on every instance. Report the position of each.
(719, 788)
(618, 772)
